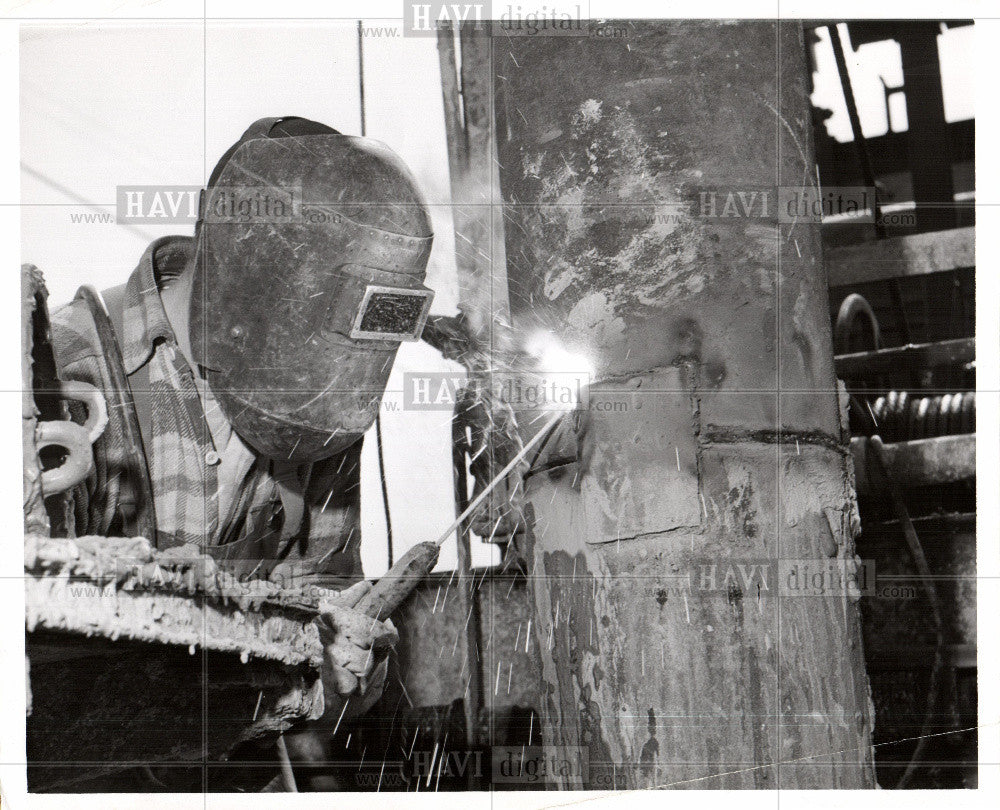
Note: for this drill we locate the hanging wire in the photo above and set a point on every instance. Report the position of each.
(378, 415)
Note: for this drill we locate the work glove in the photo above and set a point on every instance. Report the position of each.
(355, 654)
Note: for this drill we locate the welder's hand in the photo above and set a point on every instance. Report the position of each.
(356, 648)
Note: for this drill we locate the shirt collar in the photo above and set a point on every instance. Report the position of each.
(144, 320)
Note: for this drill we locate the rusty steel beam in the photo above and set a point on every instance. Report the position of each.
(661, 666)
(478, 218)
(479, 260)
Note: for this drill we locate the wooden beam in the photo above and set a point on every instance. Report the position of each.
(913, 255)
(927, 355)
(925, 462)
(906, 657)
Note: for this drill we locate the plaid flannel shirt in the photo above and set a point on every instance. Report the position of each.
(182, 457)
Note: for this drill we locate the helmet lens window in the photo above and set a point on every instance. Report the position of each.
(392, 313)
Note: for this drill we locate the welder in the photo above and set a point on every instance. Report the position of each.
(243, 367)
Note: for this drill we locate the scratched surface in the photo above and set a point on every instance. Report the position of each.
(606, 147)
(693, 633)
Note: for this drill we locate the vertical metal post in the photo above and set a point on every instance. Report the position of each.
(928, 142)
(867, 171)
(468, 599)
(470, 241)
(378, 416)
(653, 179)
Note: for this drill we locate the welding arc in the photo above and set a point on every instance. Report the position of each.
(390, 591)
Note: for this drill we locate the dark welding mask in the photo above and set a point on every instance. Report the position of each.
(312, 248)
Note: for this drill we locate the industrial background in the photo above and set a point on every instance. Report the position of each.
(561, 174)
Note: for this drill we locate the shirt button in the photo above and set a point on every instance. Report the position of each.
(212, 458)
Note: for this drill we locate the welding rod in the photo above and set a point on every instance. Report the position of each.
(397, 583)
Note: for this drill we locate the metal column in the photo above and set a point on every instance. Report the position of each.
(646, 177)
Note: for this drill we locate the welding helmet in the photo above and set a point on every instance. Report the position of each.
(311, 252)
